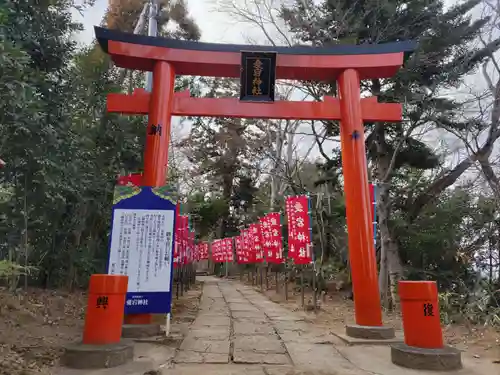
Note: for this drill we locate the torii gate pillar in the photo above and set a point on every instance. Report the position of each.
(159, 119)
(358, 205)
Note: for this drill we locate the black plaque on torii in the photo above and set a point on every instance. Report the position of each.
(258, 76)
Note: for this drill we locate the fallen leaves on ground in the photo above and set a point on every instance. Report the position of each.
(34, 327)
(336, 311)
(36, 324)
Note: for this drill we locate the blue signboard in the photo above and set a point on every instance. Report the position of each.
(141, 246)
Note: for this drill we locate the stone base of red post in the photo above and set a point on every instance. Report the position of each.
(102, 346)
(141, 331)
(138, 326)
(381, 333)
(423, 348)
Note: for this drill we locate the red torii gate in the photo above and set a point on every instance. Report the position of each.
(347, 64)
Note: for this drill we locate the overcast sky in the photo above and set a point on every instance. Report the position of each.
(219, 27)
(216, 26)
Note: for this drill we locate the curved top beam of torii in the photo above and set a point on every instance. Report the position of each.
(304, 63)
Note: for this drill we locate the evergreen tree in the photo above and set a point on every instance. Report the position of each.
(35, 126)
(444, 56)
(63, 150)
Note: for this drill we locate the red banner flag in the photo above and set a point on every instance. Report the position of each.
(177, 235)
(184, 249)
(196, 252)
(271, 237)
(178, 242)
(274, 220)
(265, 229)
(189, 247)
(222, 250)
(290, 219)
(245, 243)
(220, 254)
(192, 237)
(131, 179)
(203, 251)
(239, 250)
(216, 251)
(256, 243)
(299, 229)
(228, 249)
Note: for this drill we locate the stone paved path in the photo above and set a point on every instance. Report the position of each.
(239, 331)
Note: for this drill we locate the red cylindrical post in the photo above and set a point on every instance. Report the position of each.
(420, 310)
(358, 206)
(158, 130)
(138, 319)
(157, 142)
(105, 309)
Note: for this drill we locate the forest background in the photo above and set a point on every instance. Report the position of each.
(437, 172)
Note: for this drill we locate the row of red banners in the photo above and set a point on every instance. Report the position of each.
(186, 250)
(261, 241)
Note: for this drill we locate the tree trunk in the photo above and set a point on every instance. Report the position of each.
(276, 170)
(390, 262)
(26, 239)
(395, 271)
(226, 195)
(382, 213)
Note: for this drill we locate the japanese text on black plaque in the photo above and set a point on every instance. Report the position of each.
(257, 81)
(258, 75)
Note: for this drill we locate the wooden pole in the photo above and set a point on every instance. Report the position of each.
(177, 283)
(314, 288)
(277, 281)
(286, 285)
(261, 272)
(302, 286)
(183, 280)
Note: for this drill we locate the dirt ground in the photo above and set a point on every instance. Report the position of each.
(36, 324)
(336, 311)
